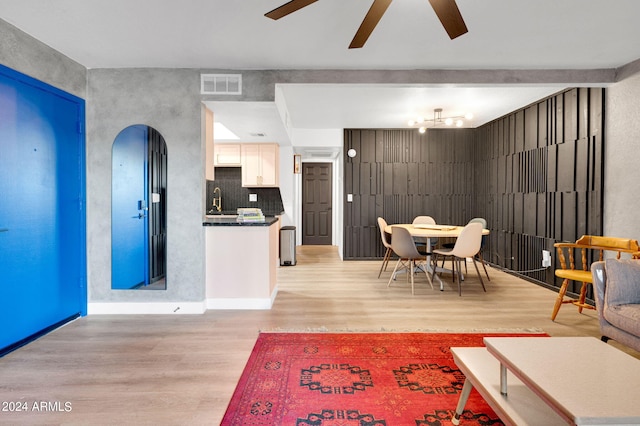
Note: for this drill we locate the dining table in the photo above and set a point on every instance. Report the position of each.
(425, 232)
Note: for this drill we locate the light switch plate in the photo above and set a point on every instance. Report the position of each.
(349, 198)
(253, 197)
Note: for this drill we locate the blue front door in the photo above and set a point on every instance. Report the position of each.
(42, 219)
(129, 204)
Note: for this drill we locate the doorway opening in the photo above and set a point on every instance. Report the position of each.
(317, 203)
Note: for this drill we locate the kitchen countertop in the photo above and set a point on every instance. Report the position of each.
(235, 212)
(229, 221)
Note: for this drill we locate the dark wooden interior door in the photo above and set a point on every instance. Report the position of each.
(316, 203)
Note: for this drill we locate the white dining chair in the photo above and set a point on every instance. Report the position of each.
(386, 242)
(478, 256)
(483, 241)
(467, 246)
(425, 220)
(403, 245)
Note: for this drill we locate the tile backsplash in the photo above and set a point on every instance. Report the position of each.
(229, 180)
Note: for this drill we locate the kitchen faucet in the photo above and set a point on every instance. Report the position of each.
(217, 202)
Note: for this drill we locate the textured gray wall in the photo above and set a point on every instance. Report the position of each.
(622, 159)
(24, 53)
(169, 101)
(259, 85)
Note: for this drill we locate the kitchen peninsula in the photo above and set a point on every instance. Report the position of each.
(241, 262)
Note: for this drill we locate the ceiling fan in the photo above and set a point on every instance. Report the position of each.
(447, 11)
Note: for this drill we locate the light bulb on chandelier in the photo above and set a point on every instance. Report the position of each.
(438, 119)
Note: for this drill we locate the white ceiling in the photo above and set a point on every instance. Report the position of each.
(224, 34)
(338, 106)
(232, 34)
(392, 106)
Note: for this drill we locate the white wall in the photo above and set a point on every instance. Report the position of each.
(287, 186)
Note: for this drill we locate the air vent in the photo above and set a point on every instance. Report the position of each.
(258, 134)
(316, 152)
(221, 84)
(321, 154)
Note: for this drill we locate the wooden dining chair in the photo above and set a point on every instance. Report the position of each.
(575, 264)
(403, 245)
(386, 242)
(467, 246)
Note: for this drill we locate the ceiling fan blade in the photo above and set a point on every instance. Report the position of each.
(449, 15)
(369, 23)
(288, 8)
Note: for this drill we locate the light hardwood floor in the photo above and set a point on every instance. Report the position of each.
(183, 369)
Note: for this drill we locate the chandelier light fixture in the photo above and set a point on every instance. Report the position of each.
(438, 119)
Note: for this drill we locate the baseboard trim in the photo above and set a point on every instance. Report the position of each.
(146, 308)
(243, 303)
(180, 308)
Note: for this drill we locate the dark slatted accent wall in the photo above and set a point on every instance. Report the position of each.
(541, 171)
(400, 174)
(536, 175)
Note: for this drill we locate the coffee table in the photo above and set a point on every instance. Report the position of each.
(552, 380)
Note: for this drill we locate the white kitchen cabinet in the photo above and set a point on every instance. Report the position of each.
(260, 164)
(226, 155)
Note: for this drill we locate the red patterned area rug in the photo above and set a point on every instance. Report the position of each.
(356, 379)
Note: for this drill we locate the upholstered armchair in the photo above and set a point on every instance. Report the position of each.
(617, 293)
